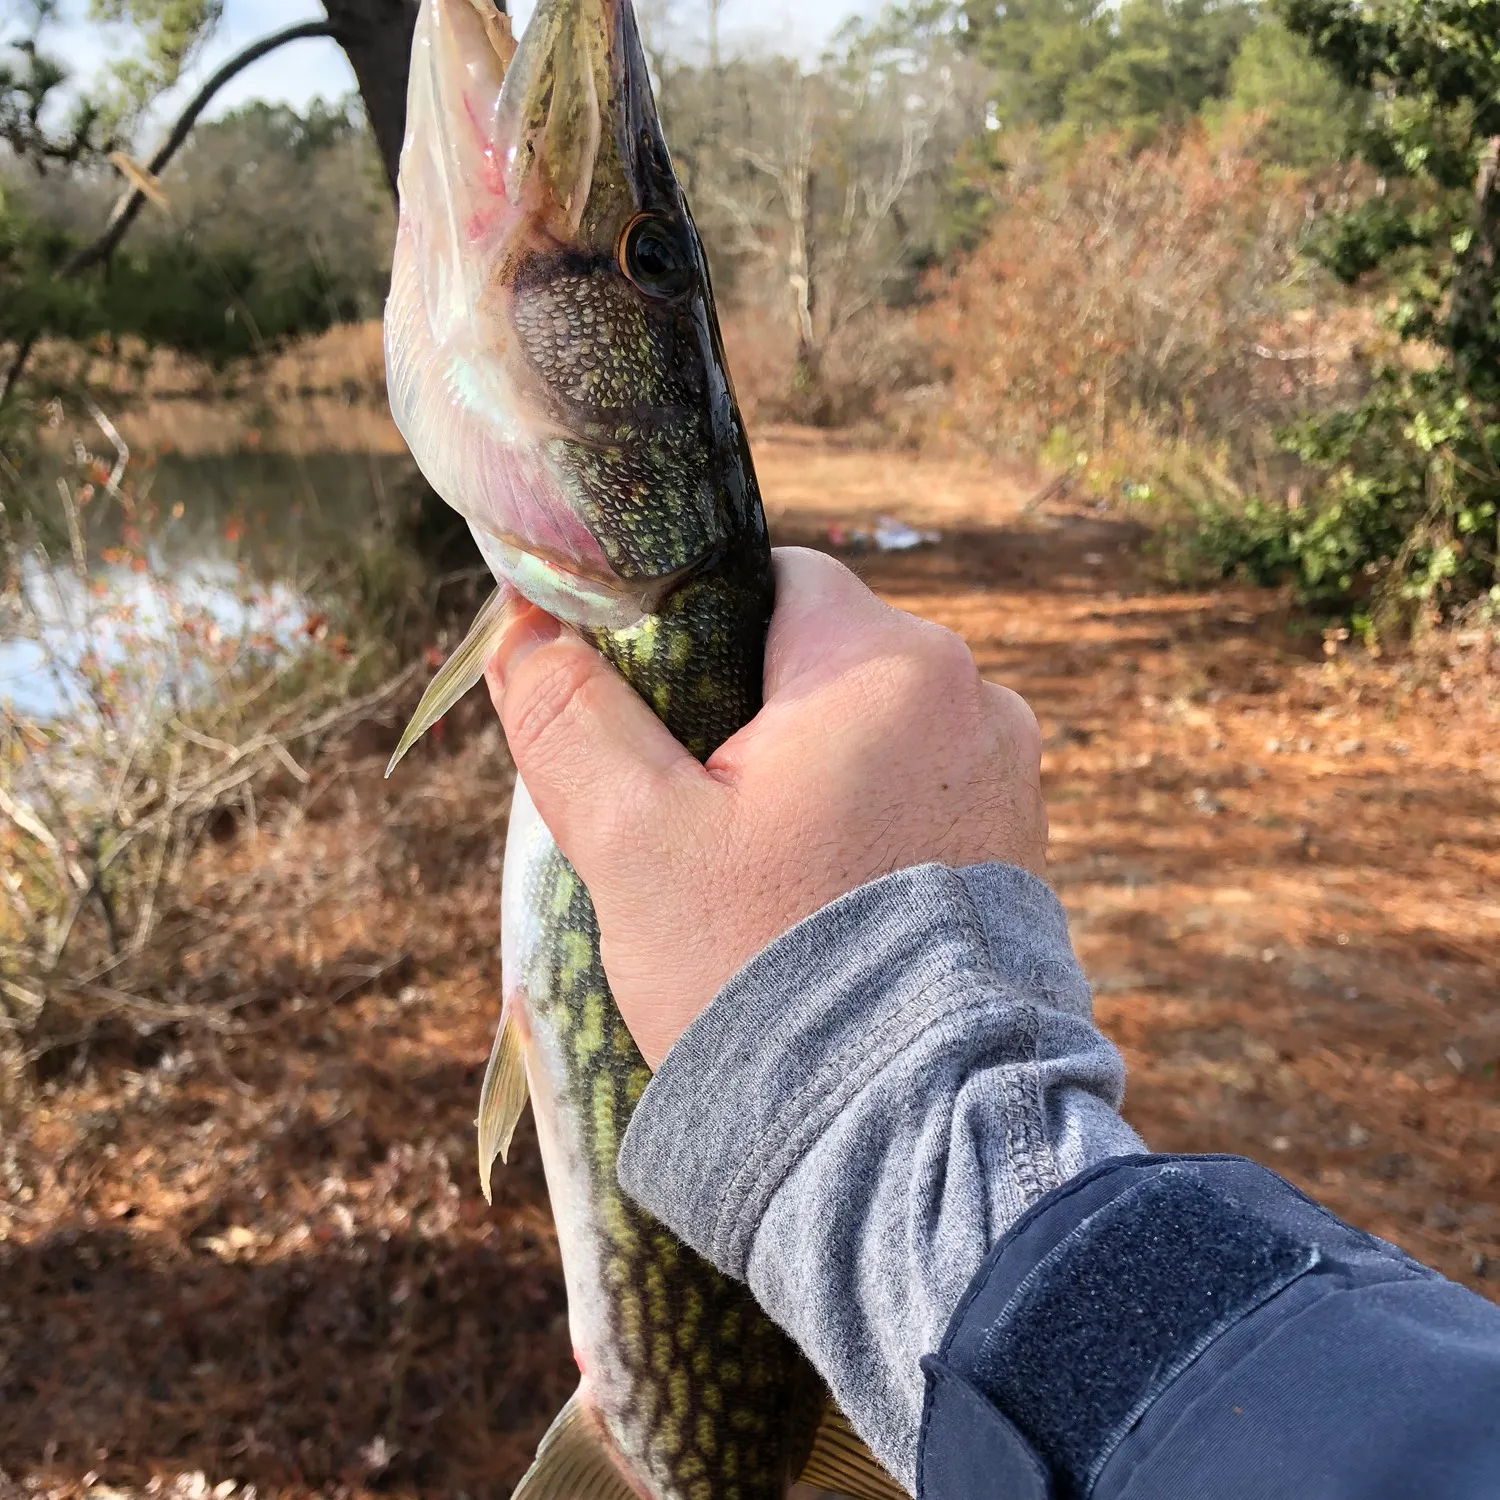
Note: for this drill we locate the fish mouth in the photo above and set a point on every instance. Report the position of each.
(524, 170)
(584, 148)
(555, 137)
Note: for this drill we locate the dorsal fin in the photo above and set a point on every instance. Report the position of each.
(840, 1461)
(575, 1461)
(502, 1097)
(461, 671)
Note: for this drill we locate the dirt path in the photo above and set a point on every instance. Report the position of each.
(256, 1254)
(1283, 870)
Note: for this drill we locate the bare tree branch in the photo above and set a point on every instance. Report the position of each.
(130, 203)
(124, 213)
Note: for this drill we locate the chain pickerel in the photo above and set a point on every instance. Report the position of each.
(554, 363)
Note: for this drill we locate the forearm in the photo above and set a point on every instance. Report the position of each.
(868, 1107)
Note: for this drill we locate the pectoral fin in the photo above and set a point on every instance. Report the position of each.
(497, 28)
(502, 1097)
(840, 1461)
(574, 1460)
(461, 671)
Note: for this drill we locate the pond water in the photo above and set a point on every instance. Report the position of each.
(127, 622)
(233, 518)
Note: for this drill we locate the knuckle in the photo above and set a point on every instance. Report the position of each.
(925, 670)
(807, 566)
(951, 656)
(1017, 723)
(942, 667)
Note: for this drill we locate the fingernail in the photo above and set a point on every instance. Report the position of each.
(531, 629)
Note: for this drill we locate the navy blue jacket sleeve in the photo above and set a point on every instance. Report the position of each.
(1169, 1328)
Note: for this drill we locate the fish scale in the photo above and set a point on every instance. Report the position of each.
(699, 1389)
(708, 1395)
(700, 1392)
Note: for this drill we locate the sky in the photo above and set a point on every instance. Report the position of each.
(305, 70)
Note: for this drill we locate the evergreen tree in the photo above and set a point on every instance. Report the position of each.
(1411, 504)
(1087, 65)
(1166, 59)
(1037, 49)
(1309, 116)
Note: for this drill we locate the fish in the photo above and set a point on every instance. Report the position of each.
(555, 365)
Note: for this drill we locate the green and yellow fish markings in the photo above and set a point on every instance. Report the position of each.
(554, 362)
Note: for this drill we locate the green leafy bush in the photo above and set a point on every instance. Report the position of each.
(1308, 118)
(1404, 523)
(170, 294)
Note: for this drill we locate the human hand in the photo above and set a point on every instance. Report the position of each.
(879, 747)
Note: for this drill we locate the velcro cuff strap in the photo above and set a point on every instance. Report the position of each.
(969, 1448)
(1106, 1320)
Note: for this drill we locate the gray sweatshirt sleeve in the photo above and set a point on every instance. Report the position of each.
(867, 1106)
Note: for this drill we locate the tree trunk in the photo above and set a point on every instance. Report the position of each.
(807, 369)
(1473, 322)
(376, 38)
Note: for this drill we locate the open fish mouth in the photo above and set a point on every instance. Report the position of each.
(551, 354)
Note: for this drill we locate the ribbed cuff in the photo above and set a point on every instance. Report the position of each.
(808, 1022)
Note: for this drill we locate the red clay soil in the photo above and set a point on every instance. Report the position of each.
(252, 1251)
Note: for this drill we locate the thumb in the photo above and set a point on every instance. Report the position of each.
(603, 770)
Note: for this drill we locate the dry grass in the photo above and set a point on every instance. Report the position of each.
(249, 1245)
(346, 359)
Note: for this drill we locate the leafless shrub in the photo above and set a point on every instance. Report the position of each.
(819, 189)
(148, 706)
(1161, 292)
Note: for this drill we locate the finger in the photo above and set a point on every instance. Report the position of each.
(600, 766)
(823, 615)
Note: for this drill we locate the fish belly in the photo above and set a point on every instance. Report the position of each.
(703, 1397)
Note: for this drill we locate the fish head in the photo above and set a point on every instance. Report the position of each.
(553, 354)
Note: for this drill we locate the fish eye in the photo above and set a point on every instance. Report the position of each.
(654, 257)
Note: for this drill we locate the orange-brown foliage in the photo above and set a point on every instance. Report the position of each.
(1161, 287)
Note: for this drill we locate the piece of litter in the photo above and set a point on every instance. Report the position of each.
(892, 535)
